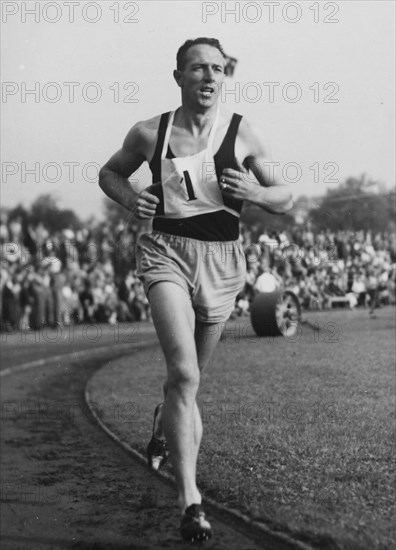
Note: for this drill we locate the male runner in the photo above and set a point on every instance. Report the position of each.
(205, 162)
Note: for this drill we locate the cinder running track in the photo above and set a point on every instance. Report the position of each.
(64, 482)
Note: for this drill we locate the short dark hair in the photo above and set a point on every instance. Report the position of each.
(182, 51)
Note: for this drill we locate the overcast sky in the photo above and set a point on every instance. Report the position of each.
(97, 68)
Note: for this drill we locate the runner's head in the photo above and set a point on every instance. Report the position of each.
(200, 71)
(183, 50)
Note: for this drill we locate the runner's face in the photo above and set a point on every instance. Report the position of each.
(202, 76)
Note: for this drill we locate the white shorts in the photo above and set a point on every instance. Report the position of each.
(211, 272)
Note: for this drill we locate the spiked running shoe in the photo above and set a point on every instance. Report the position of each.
(157, 449)
(194, 527)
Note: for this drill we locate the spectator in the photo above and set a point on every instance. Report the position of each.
(87, 302)
(359, 288)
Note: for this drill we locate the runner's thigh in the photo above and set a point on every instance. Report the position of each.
(174, 321)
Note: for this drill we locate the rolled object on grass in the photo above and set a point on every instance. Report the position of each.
(276, 313)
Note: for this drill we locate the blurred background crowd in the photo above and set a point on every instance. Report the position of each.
(68, 276)
(323, 269)
(56, 269)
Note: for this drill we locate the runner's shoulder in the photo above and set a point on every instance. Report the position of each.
(252, 138)
(142, 135)
(246, 129)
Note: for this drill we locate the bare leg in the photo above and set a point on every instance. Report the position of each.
(187, 347)
(206, 337)
(174, 320)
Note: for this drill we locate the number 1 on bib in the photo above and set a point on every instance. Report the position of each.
(190, 189)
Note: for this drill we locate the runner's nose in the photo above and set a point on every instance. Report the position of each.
(209, 75)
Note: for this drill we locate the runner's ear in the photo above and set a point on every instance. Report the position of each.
(230, 65)
(178, 76)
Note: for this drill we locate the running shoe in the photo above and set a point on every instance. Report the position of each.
(194, 527)
(157, 449)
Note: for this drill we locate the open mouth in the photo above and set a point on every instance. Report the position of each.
(207, 90)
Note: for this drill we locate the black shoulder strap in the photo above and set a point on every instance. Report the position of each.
(155, 164)
(225, 158)
(230, 137)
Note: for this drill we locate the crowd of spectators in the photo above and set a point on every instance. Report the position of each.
(89, 275)
(352, 268)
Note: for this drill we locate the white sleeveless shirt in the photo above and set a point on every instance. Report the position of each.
(190, 185)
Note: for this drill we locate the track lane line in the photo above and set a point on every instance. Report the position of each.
(77, 355)
(223, 511)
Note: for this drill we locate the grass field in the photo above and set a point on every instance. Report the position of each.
(298, 433)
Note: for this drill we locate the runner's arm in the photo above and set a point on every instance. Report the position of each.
(113, 176)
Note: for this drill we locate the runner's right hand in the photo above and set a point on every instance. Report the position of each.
(146, 203)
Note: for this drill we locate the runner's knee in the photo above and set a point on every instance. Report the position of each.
(183, 377)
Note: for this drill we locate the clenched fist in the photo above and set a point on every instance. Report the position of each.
(146, 202)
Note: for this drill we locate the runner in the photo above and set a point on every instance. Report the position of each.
(205, 163)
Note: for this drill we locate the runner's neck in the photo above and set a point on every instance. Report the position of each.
(198, 124)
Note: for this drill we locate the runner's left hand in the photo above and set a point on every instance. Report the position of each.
(237, 184)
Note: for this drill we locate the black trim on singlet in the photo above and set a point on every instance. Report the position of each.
(155, 164)
(225, 158)
(214, 226)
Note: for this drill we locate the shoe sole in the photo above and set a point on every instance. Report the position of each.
(199, 537)
(195, 528)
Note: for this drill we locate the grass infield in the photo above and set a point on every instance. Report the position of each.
(298, 433)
